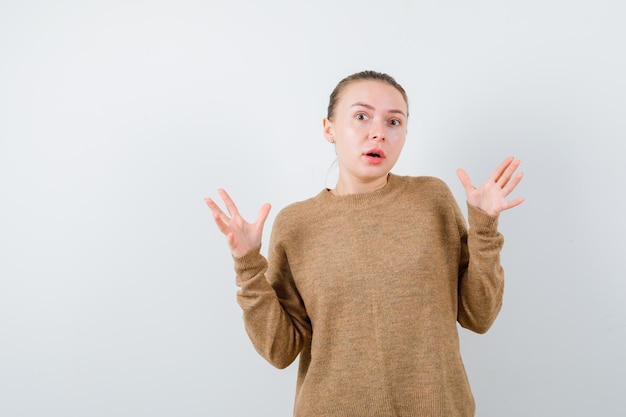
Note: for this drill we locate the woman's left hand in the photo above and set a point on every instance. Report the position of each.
(491, 196)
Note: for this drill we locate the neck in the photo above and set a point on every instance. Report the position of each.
(345, 187)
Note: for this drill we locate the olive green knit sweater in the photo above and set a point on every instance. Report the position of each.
(368, 289)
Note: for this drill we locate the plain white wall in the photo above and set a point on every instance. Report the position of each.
(117, 118)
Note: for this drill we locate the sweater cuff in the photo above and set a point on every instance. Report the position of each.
(480, 220)
(249, 265)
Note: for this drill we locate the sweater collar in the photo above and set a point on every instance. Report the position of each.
(362, 198)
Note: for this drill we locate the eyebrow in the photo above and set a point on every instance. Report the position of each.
(369, 106)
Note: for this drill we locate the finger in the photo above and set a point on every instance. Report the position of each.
(495, 176)
(214, 207)
(465, 180)
(230, 239)
(263, 213)
(508, 172)
(216, 210)
(221, 220)
(514, 203)
(230, 205)
(510, 186)
(221, 223)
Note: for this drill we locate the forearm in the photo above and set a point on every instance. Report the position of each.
(269, 326)
(481, 286)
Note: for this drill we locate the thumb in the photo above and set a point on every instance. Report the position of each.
(263, 213)
(465, 180)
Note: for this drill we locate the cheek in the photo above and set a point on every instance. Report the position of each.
(397, 144)
(353, 132)
(398, 135)
(355, 128)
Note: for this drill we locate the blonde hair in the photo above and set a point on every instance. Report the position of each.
(363, 76)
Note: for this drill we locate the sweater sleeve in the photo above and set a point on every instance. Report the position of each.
(274, 315)
(481, 279)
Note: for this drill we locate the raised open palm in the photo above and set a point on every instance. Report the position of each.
(491, 195)
(242, 236)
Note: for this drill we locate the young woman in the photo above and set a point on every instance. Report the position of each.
(367, 281)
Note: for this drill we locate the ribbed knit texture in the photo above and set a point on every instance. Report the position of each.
(368, 290)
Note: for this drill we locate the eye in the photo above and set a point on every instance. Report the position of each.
(395, 122)
(361, 116)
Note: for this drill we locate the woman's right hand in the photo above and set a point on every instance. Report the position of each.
(242, 236)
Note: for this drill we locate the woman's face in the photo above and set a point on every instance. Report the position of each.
(368, 128)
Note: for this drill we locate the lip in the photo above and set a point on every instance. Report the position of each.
(375, 151)
(374, 156)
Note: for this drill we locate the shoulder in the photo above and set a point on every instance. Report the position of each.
(427, 192)
(298, 208)
(422, 184)
(298, 213)
(430, 196)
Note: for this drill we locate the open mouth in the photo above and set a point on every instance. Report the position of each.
(375, 153)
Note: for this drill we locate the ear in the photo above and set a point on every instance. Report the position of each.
(329, 130)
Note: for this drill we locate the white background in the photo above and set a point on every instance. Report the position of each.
(117, 118)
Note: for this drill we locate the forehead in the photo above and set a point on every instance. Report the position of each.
(376, 93)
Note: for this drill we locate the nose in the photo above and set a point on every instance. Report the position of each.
(378, 133)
